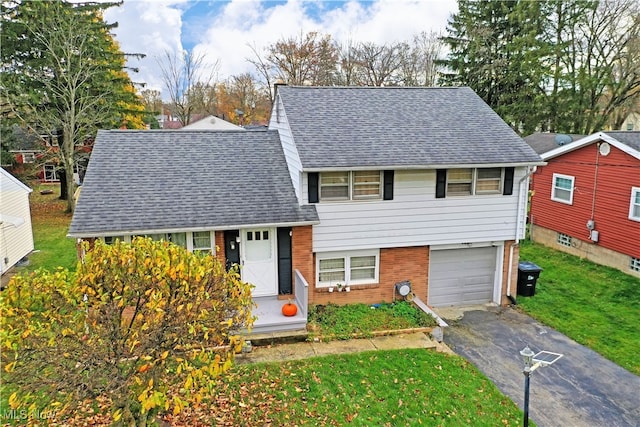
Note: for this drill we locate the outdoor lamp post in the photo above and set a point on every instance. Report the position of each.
(527, 356)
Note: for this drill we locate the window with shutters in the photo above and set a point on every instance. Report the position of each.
(354, 185)
(474, 181)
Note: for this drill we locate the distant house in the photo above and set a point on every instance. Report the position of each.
(16, 235)
(211, 123)
(350, 186)
(586, 200)
(37, 156)
(631, 123)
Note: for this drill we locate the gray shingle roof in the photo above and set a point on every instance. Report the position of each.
(398, 126)
(630, 138)
(542, 142)
(170, 180)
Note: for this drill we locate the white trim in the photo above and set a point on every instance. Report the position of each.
(179, 230)
(426, 166)
(347, 255)
(635, 191)
(553, 188)
(599, 136)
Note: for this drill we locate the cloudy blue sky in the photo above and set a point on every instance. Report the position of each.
(224, 30)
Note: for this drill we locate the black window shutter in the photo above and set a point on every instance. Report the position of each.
(508, 181)
(313, 187)
(441, 183)
(388, 186)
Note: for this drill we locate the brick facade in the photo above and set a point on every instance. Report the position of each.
(396, 265)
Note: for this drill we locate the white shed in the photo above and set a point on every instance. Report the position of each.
(16, 235)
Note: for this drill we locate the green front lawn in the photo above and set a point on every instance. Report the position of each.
(50, 224)
(381, 388)
(596, 306)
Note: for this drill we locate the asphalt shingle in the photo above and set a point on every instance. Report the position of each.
(398, 126)
(169, 180)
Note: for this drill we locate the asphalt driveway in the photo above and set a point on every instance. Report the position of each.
(581, 389)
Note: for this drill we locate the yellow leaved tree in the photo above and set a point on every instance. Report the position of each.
(146, 327)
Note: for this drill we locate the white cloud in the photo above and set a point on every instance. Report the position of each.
(152, 27)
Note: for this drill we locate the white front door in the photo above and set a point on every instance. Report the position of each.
(259, 260)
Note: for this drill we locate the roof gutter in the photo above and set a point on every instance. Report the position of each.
(79, 235)
(422, 167)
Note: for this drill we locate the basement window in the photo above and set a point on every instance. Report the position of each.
(634, 264)
(564, 239)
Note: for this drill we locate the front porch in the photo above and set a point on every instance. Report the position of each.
(269, 317)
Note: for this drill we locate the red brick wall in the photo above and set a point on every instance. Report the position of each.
(219, 242)
(396, 265)
(302, 254)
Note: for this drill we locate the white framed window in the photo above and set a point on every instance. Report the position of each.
(634, 264)
(460, 182)
(347, 268)
(354, 185)
(366, 184)
(201, 242)
(564, 239)
(634, 208)
(28, 157)
(562, 189)
(50, 172)
(179, 239)
(489, 181)
(466, 182)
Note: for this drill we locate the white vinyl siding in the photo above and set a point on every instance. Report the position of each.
(16, 236)
(280, 123)
(634, 208)
(347, 268)
(415, 217)
(562, 188)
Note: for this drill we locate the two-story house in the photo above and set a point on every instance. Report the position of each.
(586, 200)
(355, 186)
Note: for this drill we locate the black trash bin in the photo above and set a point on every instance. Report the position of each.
(528, 274)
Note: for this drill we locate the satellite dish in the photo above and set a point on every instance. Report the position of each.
(604, 148)
(562, 139)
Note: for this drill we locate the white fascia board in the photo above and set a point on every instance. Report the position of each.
(422, 167)
(191, 229)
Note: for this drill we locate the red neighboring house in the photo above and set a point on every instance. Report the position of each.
(586, 200)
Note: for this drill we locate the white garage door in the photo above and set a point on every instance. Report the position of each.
(461, 276)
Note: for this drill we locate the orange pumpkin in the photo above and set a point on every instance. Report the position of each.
(289, 309)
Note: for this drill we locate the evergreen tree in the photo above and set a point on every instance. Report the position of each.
(63, 75)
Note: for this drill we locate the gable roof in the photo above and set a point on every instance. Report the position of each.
(336, 127)
(627, 141)
(141, 182)
(211, 122)
(11, 183)
(541, 142)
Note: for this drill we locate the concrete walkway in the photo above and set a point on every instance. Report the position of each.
(581, 389)
(303, 350)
